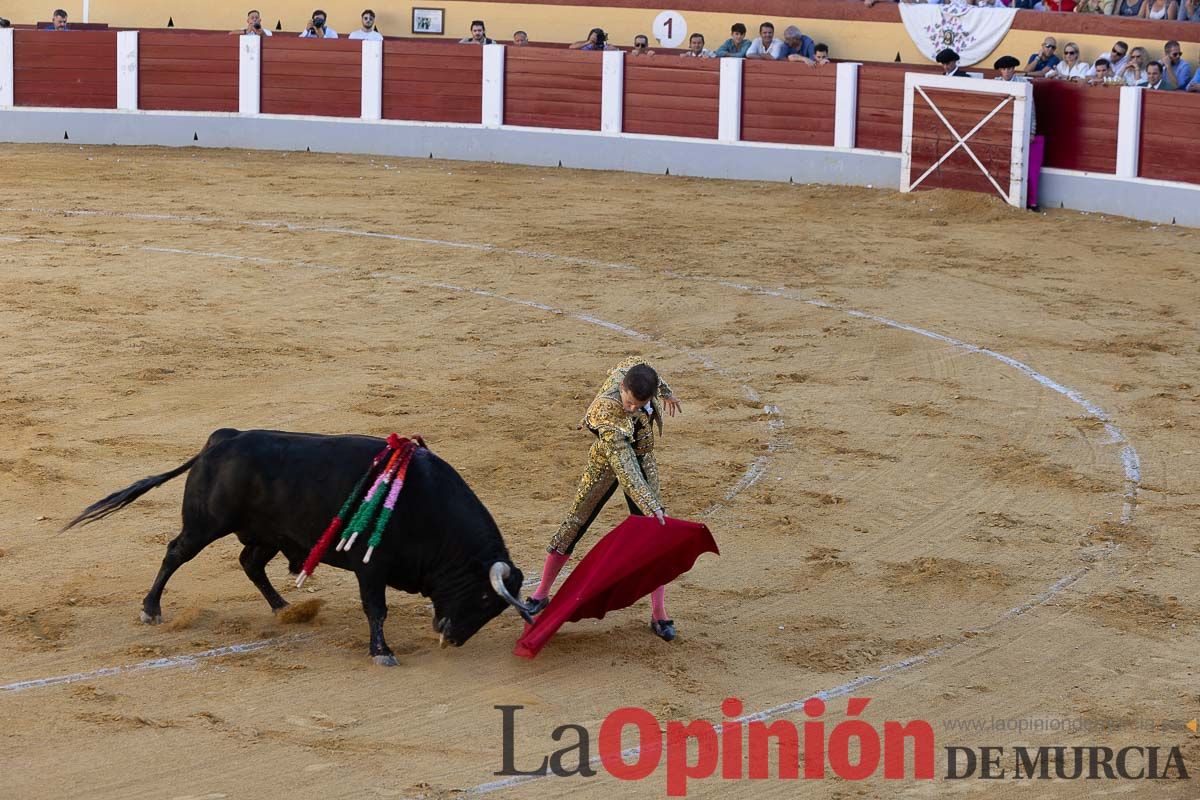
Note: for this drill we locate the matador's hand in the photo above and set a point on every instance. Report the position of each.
(661, 516)
(672, 405)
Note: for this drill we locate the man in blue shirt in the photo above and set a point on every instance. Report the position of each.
(1042, 63)
(58, 20)
(1177, 73)
(797, 46)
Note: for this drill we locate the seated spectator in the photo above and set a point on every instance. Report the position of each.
(1042, 63)
(317, 29)
(696, 48)
(1056, 5)
(58, 20)
(766, 46)
(797, 46)
(1189, 11)
(1194, 86)
(1094, 6)
(949, 61)
(1177, 73)
(1160, 9)
(992, 3)
(597, 40)
(1102, 75)
(1154, 76)
(254, 26)
(1071, 68)
(641, 46)
(1129, 8)
(737, 44)
(1134, 71)
(1117, 57)
(478, 34)
(520, 39)
(367, 31)
(821, 53)
(1025, 5)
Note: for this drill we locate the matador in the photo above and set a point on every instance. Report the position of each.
(622, 417)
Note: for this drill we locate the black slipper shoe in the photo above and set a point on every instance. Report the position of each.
(663, 629)
(537, 606)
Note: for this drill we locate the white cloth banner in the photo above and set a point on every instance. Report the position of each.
(970, 31)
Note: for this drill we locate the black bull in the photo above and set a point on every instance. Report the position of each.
(277, 491)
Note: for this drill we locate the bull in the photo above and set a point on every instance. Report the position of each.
(277, 491)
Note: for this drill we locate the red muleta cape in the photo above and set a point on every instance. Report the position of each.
(630, 562)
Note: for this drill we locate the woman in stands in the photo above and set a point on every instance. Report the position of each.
(1160, 9)
(1071, 68)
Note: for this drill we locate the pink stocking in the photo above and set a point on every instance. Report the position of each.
(554, 564)
(658, 603)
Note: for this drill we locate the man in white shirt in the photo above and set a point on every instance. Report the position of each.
(317, 29)
(367, 31)
(254, 26)
(696, 48)
(766, 46)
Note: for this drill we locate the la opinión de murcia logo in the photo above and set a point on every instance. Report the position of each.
(743, 747)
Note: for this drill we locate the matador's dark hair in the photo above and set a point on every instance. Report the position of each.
(642, 381)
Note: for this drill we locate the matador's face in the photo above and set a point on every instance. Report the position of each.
(629, 402)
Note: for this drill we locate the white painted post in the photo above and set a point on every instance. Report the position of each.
(845, 114)
(1129, 131)
(612, 92)
(6, 66)
(372, 79)
(250, 75)
(729, 104)
(127, 70)
(493, 85)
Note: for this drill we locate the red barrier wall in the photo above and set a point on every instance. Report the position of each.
(672, 96)
(1170, 121)
(187, 72)
(1079, 123)
(311, 76)
(880, 122)
(552, 88)
(991, 144)
(788, 102)
(75, 69)
(431, 81)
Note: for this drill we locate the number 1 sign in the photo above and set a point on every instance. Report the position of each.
(670, 28)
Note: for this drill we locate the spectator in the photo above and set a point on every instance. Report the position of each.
(1102, 75)
(520, 39)
(1071, 68)
(58, 20)
(821, 53)
(1130, 8)
(1177, 73)
(992, 3)
(1159, 9)
(367, 31)
(696, 48)
(797, 46)
(736, 45)
(317, 29)
(1154, 76)
(641, 46)
(254, 26)
(1194, 86)
(1094, 6)
(1134, 71)
(1117, 58)
(1189, 11)
(1025, 5)
(766, 46)
(949, 61)
(478, 34)
(1057, 5)
(597, 40)
(1042, 63)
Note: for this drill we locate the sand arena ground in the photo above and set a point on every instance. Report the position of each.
(881, 497)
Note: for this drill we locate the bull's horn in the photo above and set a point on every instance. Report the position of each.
(498, 573)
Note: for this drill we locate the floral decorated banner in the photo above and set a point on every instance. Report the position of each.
(971, 31)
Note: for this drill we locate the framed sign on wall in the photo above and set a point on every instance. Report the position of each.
(429, 20)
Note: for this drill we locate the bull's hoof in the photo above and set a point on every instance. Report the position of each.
(276, 610)
(386, 661)
(152, 620)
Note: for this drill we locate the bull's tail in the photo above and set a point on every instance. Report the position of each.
(118, 500)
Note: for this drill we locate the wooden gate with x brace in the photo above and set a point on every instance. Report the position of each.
(966, 133)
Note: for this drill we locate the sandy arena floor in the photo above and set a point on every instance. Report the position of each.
(881, 496)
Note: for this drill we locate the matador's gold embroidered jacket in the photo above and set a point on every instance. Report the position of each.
(626, 436)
